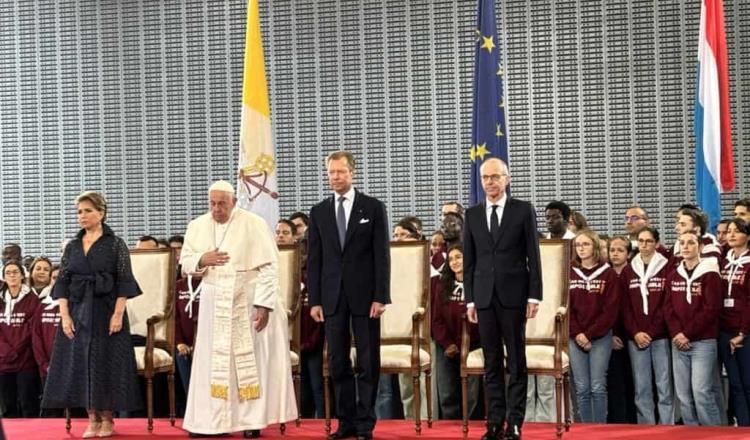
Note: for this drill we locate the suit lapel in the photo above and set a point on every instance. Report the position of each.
(353, 217)
(483, 217)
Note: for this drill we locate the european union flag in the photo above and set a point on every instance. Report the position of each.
(488, 134)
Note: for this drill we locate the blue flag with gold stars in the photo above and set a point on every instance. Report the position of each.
(488, 134)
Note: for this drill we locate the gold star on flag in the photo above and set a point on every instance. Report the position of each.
(473, 153)
(482, 150)
(488, 43)
(500, 70)
(498, 132)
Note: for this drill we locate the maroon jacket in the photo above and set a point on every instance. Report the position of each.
(593, 311)
(634, 319)
(16, 353)
(44, 328)
(447, 318)
(698, 319)
(311, 332)
(438, 260)
(184, 326)
(735, 313)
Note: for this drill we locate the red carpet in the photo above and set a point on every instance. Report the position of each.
(131, 429)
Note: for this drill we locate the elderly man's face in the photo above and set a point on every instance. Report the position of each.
(221, 204)
(449, 207)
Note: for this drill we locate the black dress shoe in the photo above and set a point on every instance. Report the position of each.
(251, 433)
(494, 432)
(341, 434)
(513, 432)
(198, 435)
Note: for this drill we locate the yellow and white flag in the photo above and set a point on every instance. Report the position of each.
(257, 187)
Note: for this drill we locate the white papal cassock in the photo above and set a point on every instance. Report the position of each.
(249, 279)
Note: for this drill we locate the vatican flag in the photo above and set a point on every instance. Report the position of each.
(257, 186)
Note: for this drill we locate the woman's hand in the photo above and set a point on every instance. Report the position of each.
(115, 323)
(67, 326)
(642, 339)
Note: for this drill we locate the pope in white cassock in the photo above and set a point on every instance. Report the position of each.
(241, 374)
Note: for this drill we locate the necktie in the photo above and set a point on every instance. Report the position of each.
(494, 224)
(341, 221)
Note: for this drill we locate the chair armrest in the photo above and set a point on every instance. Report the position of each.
(465, 339)
(148, 355)
(562, 311)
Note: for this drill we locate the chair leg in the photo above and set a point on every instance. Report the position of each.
(558, 407)
(170, 385)
(67, 420)
(327, 401)
(297, 380)
(150, 402)
(282, 428)
(464, 404)
(566, 388)
(417, 405)
(428, 386)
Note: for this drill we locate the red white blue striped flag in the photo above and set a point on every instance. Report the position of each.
(714, 163)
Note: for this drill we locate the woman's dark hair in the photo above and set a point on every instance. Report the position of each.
(651, 230)
(447, 276)
(740, 224)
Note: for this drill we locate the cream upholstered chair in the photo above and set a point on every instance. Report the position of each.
(152, 316)
(290, 276)
(546, 335)
(404, 327)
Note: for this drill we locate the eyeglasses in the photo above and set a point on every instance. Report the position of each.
(646, 241)
(632, 218)
(583, 244)
(493, 177)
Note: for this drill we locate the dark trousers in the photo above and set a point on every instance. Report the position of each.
(20, 393)
(620, 388)
(355, 396)
(498, 325)
(311, 381)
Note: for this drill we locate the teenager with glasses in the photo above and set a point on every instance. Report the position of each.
(594, 299)
(648, 339)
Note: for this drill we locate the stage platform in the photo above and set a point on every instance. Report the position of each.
(132, 429)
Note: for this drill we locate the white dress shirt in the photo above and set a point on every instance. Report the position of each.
(348, 203)
(500, 208)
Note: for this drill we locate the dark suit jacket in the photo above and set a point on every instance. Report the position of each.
(512, 264)
(361, 271)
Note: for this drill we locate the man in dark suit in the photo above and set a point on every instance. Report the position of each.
(348, 281)
(503, 288)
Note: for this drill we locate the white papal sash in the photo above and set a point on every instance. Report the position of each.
(232, 334)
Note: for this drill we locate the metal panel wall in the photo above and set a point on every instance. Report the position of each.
(141, 100)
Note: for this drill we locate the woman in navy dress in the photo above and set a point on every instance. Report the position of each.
(93, 365)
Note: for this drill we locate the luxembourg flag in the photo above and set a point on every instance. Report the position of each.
(714, 163)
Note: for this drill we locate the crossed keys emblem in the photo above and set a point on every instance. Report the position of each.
(255, 176)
